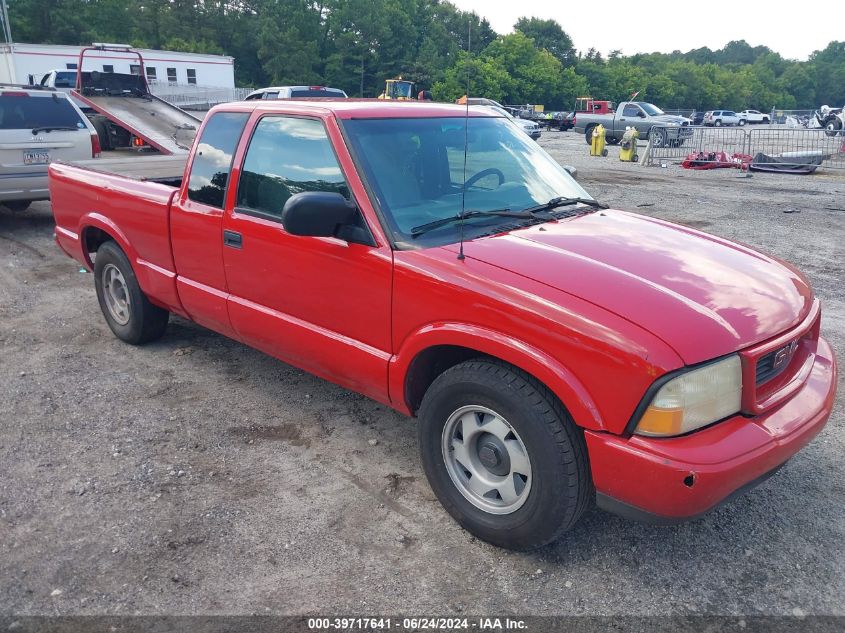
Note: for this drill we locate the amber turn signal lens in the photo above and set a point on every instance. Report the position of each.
(661, 422)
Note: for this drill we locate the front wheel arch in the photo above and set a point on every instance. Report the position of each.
(434, 350)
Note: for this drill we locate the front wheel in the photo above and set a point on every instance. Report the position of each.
(502, 455)
(742, 122)
(128, 312)
(832, 127)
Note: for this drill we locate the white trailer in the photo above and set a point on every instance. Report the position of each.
(28, 63)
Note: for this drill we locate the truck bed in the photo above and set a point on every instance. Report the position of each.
(166, 170)
(133, 208)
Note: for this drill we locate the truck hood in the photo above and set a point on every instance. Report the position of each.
(702, 295)
(670, 119)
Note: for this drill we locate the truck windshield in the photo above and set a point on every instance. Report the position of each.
(651, 109)
(415, 169)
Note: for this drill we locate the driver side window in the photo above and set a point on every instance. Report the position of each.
(631, 110)
(287, 155)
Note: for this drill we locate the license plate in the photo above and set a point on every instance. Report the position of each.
(36, 158)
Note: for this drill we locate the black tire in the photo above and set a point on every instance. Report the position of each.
(611, 140)
(832, 125)
(588, 133)
(657, 137)
(17, 205)
(561, 487)
(102, 129)
(718, 123)
(146, 322)
(742, 122)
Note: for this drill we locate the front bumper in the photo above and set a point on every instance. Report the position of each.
(675, 479)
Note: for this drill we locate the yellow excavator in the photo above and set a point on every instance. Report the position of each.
(398, 89)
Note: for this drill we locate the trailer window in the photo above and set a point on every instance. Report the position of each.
(287, 155)
(171, 75)
(213, 159)
(108, 68)
(134, 69)
(192, 76)
(151, 73)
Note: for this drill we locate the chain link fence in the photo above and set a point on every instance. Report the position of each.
(769, 148)
(190, 97)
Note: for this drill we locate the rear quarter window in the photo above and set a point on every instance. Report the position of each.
(213, 159)
(21, 111)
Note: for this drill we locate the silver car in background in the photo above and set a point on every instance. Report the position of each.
(38, 126)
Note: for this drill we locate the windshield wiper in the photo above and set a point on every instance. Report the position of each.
(563, 201)
(52, 128)
(504, 213)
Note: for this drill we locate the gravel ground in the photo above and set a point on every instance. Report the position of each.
(198, 476)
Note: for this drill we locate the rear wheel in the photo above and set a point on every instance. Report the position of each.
(718, 123)
(742, 121)
(658, 137)
(128, 312)
(17, 205)
(588, 134)
(102, 129)
(502, 455)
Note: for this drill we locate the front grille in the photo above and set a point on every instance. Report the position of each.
(766, 369)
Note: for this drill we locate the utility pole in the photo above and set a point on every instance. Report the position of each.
(7, 35)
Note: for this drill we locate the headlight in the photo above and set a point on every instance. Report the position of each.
(694, 399)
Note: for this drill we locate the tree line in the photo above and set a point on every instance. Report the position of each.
(357, 44)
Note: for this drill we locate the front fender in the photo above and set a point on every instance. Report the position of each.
(557, 377)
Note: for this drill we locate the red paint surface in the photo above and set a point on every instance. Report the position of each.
(596, 307)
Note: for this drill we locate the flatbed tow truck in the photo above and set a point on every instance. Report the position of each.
(124, 111)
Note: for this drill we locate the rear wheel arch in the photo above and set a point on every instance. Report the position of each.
(95, 232)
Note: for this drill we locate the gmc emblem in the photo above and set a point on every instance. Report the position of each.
(783, 355)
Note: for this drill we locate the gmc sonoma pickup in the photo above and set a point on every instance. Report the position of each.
(556, 352)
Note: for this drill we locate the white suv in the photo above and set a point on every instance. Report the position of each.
(721, 117)
(296, 92)
(752, 116)
(37, 127)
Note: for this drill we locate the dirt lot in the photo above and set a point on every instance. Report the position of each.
(196, 475)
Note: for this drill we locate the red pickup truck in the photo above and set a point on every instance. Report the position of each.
(556, 352)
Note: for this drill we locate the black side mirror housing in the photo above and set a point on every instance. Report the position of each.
(641, 114)
(323, 214)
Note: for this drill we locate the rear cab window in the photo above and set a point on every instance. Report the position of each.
(212, 162)
(20, 110)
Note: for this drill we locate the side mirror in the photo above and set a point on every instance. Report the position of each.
(641, 114)
(323, 214)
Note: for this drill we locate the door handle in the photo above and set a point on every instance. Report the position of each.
(233, 239)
